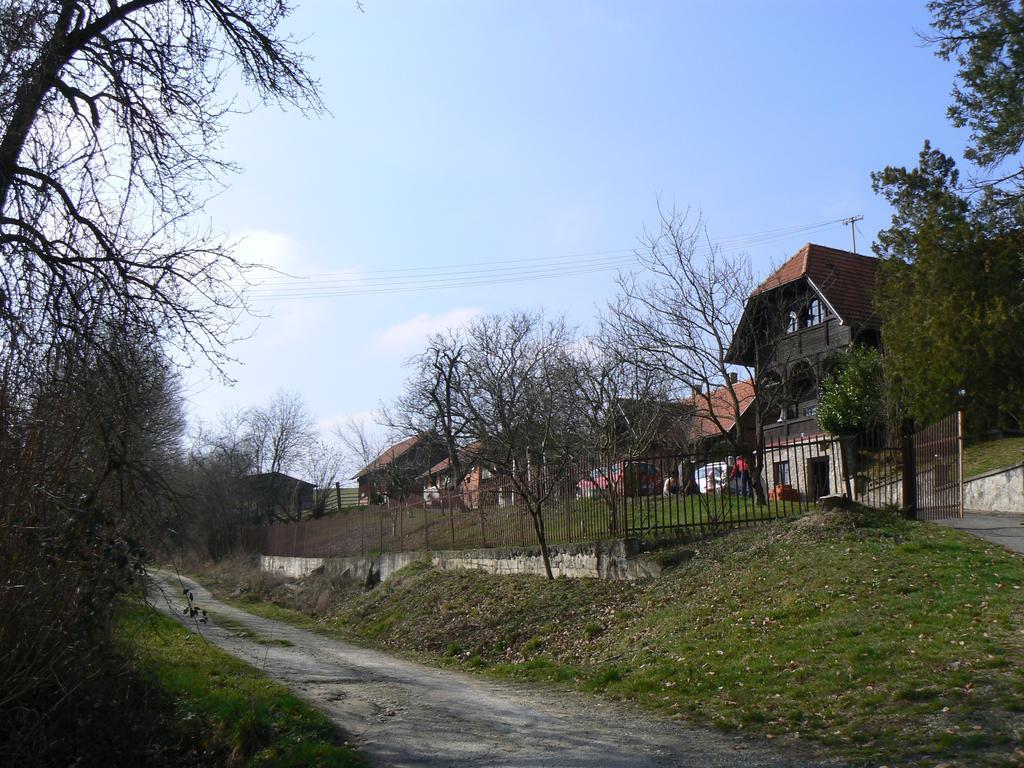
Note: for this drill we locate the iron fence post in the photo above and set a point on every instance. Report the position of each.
(960, 457)
(909, 476)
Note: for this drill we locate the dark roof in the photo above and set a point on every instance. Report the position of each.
(263, 477)
(388, 455)
(846, 280)
(714, 414)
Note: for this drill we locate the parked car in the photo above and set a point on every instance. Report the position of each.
(714, 478)
(639, 479)
(431, 495)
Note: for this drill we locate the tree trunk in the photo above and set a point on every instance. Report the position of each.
(758, 457)
(538, 526)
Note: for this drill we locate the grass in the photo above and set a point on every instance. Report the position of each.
(255, 721)
(699, 511)
(994, 454)
(565, 522)
(878, 640)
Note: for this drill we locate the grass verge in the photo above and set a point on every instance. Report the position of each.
(881, 641)
(995, 454)
(254, 721)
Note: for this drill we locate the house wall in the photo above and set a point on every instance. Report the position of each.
(828, 451)
(813, 344)
(471, 488)
(816, 346)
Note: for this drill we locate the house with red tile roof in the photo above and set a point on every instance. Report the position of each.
(396, 471)
(794, 326)
(439, 483)
(713, 415)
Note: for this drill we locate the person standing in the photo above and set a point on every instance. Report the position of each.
(741, 471)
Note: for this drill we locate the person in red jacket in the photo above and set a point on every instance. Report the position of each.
(741, 470)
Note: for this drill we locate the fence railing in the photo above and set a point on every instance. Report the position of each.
(938, 469)
(653, 496)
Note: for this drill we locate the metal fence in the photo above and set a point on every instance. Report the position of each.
(938, 469)
(662, 495)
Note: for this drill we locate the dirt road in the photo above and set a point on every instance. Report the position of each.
(406, 714)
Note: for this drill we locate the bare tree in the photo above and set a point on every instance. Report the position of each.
(110, 112)
(359, 444)
(518, 402)
(623, 411)
(322, 466)
(279, 434)
(684, 315)
(278, 437)
(430, 402)
(216, 489)
(108, 117)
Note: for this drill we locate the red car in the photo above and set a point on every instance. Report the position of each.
(639, 479)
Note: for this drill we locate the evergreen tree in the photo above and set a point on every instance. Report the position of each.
(986, 40)
(951, 296)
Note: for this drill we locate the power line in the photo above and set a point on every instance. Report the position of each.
(732, 241)
(471, 274)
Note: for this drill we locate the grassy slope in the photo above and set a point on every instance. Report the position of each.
(996, 454)
(885, 641)
(253, 719)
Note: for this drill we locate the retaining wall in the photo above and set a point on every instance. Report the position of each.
(610, 560)
(1001, 490)
(363, 569)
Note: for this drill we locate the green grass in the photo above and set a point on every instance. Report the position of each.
(372, 529)
(879, 640)
(995, 454)
(258, 722)
(700, 511)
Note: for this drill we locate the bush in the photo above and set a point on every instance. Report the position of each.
(851, 398)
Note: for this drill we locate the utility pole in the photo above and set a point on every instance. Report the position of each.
(852, 221)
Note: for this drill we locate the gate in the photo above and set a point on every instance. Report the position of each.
(937, 470)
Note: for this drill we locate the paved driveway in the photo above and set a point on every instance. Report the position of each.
(406, 714)
(1007, 530)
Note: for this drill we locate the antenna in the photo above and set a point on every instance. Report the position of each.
(852, 221)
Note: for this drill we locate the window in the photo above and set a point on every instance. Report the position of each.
(780, 473)
(792, 323)
(814, 313)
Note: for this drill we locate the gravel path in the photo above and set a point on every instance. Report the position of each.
(401, 713)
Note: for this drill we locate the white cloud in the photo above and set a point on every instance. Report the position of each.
(274, 250)
(406, 337)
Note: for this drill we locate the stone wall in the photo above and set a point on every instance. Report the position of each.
(363, 569)
(293, 567)
(611, 560)
(1001, 490)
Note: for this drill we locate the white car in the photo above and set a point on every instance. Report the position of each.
(714, 477)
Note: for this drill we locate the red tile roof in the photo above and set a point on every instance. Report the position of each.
(388, 455)
(845, 279)
(715, 413)
(467, 453)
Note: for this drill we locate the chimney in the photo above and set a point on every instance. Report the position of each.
(732, 377)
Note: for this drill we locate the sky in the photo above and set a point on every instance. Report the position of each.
(487, 134)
